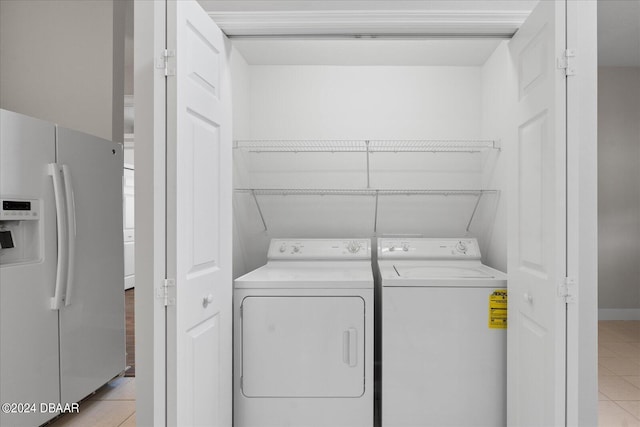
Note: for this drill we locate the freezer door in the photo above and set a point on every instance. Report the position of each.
(28, 326)
(297, 346)
(92, 319)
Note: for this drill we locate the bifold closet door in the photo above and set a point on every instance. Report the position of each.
(198, 220)
(537, 215)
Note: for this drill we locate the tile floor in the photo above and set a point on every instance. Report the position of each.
(619, 373)
(619, 386)
(114, 405)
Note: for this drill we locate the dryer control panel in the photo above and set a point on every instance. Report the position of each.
(428, 248)
(319, 249)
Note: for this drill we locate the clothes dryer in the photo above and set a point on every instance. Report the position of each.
(303, 336)
(443, 334)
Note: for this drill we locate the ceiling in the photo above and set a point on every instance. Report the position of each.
(373, 17)
(619, 33)
(373, 32)
(618, 30)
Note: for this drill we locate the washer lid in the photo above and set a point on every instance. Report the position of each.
(443, 272)
(312, 274)
(439, 273)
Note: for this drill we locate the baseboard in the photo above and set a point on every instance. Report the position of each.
(619, 314)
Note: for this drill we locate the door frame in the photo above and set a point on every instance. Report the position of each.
(582, 215)
(150, 212)
(150, 147)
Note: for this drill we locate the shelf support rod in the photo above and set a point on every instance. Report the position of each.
(366, 143)
(255, 199)
(475, 208)
(375, 214)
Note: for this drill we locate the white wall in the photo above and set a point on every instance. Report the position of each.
(360, 102)
(63, 61)
(240, 89)
(498, 101)
(363, 102)
(619, 192)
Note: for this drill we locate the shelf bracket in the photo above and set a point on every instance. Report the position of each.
(475, 208)
(255, 199)
(366, 143)
(375, 214)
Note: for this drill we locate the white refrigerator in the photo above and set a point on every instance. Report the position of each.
(61, 265)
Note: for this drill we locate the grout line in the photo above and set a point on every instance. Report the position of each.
(619, 406)
(127, 419)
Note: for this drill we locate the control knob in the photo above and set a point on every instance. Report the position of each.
(296, 249)
(405, 247)
(283, 247)
(461, 247)
(353, 247)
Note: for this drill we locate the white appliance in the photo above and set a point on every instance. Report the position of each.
(443, 334)
(61, 265)
(128, 222)
(303, 336)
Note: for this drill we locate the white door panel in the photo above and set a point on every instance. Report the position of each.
(537, 223)
(92, 341)
(29, 356)
(303, 346)
(199, 374)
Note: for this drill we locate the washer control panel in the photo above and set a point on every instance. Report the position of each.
(428, 248)
(19, 209)
(323, 249)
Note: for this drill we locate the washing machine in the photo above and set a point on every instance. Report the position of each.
(443, 334)
(303, 336)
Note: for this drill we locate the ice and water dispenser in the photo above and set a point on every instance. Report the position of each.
(20, 231)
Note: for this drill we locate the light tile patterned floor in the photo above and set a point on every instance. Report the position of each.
(619, 373)
(114, 405)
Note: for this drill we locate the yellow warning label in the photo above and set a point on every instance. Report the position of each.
(498, 309)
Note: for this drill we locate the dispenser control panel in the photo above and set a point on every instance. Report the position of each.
(19, 209)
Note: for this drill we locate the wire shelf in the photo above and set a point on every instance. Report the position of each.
(296, 146)
(434, 146)
(358, 192)
(255, 192)
(368, 146)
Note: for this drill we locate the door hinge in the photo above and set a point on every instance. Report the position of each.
(166, 62)
(241, 383)
(164, 292)
(565, 62)
(241, 311)
(568, 290)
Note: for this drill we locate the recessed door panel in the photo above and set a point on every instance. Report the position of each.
(537, 215)
(303, 346)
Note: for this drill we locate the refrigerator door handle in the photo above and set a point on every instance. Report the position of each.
(61, 216)
(71, 230)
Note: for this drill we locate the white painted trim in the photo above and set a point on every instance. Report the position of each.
(150, 213)
(619, 314)
(129, 140)
(369, 22)
(128, 101)
(582, 215)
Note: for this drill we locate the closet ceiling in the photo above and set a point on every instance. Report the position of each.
(340, 18)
